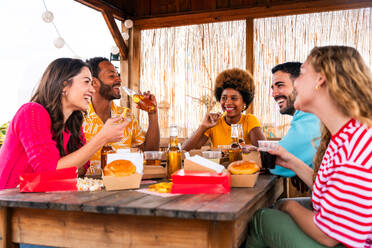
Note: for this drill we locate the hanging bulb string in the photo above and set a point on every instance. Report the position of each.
(59, 34)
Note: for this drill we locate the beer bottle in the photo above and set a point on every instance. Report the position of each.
(173, 153)
(105, 149)
(235, 151)
(241, 135)
(140, 99)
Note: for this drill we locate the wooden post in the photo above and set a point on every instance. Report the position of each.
(249, 36)
(124, 74)
(5, 225)
(130, 68)
(134, 61)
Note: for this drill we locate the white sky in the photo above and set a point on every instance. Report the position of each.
(26, 44)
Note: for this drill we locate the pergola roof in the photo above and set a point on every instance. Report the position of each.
(166, 13)
(148, 14)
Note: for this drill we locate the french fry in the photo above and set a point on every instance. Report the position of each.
(161, 187)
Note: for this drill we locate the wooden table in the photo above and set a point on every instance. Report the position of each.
(133, 219)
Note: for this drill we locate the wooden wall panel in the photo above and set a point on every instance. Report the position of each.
(142, 8)
(159, 7)
(172, 6)
(184, 5)
(221, 4)
(197, 5)
(236, 3)
(128, 7)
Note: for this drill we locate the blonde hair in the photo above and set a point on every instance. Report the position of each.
(349, 83)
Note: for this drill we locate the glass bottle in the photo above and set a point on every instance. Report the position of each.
(235, 151)
(241, 135)
(105, 149)
(174, 152)
(140, 99)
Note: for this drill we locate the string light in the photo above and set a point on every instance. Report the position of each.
(59, 42)
(128, 23)
(47, 16)
(114, 50)
(125, 35)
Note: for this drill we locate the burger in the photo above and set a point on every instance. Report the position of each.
(243, 167)
(119, 168)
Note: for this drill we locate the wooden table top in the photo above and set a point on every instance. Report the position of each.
(219, 207)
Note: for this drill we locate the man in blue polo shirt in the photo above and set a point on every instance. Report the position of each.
(304, 131)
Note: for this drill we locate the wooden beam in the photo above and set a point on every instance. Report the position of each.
(253, 12)
(134, 63)
(110, 21)
(101, 5)
(249, 55)
(125, 100)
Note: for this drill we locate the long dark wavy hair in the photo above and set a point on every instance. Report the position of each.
(56, 77)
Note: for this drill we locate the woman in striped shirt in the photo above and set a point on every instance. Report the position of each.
(336, 85)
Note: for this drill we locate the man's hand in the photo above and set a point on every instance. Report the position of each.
(148, 102)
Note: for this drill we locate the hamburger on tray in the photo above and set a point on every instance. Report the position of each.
(244, 173)
(123, 170)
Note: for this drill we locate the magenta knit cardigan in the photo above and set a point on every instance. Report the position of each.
(28, 145)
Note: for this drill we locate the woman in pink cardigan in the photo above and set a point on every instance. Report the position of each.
(46, 133)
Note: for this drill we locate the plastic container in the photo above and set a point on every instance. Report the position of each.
(153, 157)
(214, 156)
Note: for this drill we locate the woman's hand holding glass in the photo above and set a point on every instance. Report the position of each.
(283, 157)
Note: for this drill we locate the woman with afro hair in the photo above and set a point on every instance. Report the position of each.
(234, 90)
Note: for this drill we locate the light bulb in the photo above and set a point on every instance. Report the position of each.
(59, 42)
(114, 50)
(128, 23)
(125, 35)
(47, 16)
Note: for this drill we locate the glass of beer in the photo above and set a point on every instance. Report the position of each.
(153, 157)
(267, 159)
(212, 155)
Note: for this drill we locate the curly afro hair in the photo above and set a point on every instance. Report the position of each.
(237, 79)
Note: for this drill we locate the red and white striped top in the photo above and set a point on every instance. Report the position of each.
(342, 192)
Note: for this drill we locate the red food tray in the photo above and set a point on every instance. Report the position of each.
(57, 180)
(200, 182)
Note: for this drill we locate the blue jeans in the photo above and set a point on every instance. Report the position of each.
(33, 246)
